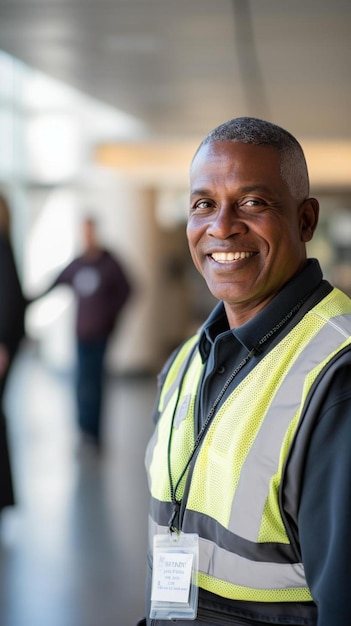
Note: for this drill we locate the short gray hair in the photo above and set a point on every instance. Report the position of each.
(251, 130)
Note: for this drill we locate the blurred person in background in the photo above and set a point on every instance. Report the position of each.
(101, 288)
(12, 311)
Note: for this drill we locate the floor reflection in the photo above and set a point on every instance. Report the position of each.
(72, 553)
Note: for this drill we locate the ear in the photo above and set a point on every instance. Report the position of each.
(309, 213)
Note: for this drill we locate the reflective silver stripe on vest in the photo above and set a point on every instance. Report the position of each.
(149, 454)
(263, 457)
(171, 391)
(178, 379)
(226, 566)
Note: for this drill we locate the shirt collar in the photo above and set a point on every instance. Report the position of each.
(252, 331)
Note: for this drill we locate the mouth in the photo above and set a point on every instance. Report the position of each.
(229, 257)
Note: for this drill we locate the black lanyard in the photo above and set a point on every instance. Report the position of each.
(201, 434)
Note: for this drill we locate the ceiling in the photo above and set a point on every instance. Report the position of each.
(183, 66)
(180, 67)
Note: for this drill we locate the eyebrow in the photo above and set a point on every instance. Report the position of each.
(245, 189)
(200, 192)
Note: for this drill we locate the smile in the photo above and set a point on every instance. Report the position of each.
(229, 257)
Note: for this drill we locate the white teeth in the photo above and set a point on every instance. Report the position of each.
(227, 257)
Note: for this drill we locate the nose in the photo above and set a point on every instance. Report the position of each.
(226, 223)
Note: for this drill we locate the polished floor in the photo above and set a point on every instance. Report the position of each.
(72, 553)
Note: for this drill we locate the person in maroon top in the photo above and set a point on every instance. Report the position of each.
(101, 288)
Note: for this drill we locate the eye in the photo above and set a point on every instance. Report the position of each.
(202, 205)
(252, 204)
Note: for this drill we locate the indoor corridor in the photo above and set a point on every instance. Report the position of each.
(72, 553)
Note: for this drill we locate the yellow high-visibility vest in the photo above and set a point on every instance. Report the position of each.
(230, 494)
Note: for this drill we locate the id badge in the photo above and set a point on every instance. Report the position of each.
(174, 592)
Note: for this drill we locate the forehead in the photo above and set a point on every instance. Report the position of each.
(254, 164)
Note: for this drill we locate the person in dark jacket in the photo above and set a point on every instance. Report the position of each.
(12, 310)
(249, 465)
(101, 288)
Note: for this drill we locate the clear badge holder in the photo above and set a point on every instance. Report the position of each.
(174, 593)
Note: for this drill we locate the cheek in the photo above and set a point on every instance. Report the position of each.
(193, 240)
(281, 238)
(196, 259)
(193, 236)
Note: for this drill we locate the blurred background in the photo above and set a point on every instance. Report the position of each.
(102, 105)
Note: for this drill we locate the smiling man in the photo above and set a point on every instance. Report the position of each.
(247, 230)
(250, 461)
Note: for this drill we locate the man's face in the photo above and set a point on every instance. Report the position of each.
(246, 232)
(90, 239)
